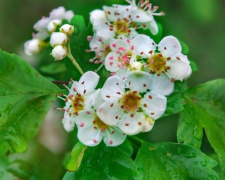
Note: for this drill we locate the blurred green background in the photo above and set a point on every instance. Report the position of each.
(198, 23)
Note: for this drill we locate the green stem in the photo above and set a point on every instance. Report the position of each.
(73, 60)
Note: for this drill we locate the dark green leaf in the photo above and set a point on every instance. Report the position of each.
(175, 101)
(25, 99)
(174, 162)
(103, 162)
(205, 108)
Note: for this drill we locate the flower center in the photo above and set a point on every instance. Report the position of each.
(77, 103)
(99, 124)
(157, 64)
(130, 101)
(121, 27)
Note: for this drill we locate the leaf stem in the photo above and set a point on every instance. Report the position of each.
(73, 60)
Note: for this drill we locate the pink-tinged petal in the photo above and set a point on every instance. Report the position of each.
(114, 137)
(144, 45)
(154, 105)
(110, 113)
(119, 45)
(89, 80)
(162, 84)
(113, 88)
(131, 123)
(169, 46)
(179, 69)
(138, 81)
(112, 63)
(68, 122)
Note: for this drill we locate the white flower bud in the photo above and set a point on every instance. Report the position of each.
(136, 66)
(58, 38)
(68, 15)
(97, 15)
(67, 29)
(59, 52)
(148, 124)
(53, 25)
(57, 13)
(32, 47)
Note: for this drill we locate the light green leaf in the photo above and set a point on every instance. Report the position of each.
(174, 162)
(205, 108)
(76, 157)
(25, 99)
(175, 101)
(54, 68)
(103, 162)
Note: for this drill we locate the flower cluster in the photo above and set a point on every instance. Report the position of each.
(45, 27)
(142, 72)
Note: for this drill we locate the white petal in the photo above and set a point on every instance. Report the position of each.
(169, 46)
(95, 100)
(105, 34)
(110, 113)
(148, 124)
(57, 13)
(77, 87)
(110, 13)
(68, 122)
(113, 88)
(120, 44)
(42, 24)
(143, 45)
(58, 38)
(53, 25)
(179, 69)
(68, 15)
(162, 84)
(87, 134)
(131, 124)
(97, 15)
(154, 105)
(43, 34)
(59, 52)
(138, 81)
(89, 80)
(112, 62)
(139, 15)
(114, 137)
(32, 46)
(152, 25)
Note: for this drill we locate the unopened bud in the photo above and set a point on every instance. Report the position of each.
(59, 52)
(58, 38)
(67, 29)
(53, 25)
(33, 46)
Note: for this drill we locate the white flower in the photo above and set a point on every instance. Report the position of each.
(79, 98)
(53, 25)
(121, 56)
(58, 38)
(42, 24)
(33, 46)
(166, 65)
(126, 107)
(59, 52)
(61, 13)
(67, 29)
(143, 13)
(91, 130)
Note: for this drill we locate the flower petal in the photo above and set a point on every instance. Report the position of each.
(113, 88)
(169, 46)
(110, 113)
(131, 124)
(112, 62)
(89, 80)
(94, 100)
(162, 84)
(114, 137)
(143, 45)
(138, 81)
(179, 69)
(148, 124)
(68, 122)
(154, 105)
(139, 15)
(153, 27)
(119, 44)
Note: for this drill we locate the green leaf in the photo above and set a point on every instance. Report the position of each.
(4, 174)
(175, 101)
(54, 68)
(205, 108)
(103, 162)
(185, 48)
(25, 99)
(76, 157)
(36, 163)
(175, 162)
